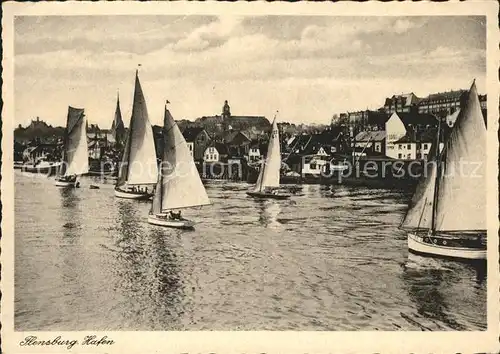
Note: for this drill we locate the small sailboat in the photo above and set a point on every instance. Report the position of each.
(138, 169)
(179, 184)
(75, 156)
(268, 182)
(447, 215)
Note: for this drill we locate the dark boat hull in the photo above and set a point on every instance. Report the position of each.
(263, 195)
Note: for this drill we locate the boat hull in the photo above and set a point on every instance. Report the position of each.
(264, 195)
(176, 224)
(65, 184)
(132, 195)
(417, 245)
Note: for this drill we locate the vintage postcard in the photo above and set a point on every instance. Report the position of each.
(191, 177)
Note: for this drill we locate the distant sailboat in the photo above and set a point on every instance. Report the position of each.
(179, 185)
(447, 216)
(75, 156)
(268, 181)
(138, 168)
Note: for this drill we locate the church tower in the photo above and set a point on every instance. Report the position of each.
(226, 114)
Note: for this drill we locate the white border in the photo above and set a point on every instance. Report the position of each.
(258, 341)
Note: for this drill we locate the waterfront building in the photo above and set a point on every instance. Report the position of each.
(310, 153)
(257, 150)
(197, 140)
(238, 143)
(409, 135)
(216, 152)
(414, 147)
(370, 142)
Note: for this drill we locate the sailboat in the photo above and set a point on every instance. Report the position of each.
(447, 215)
(138, 168)
(75, 155)
(179, 185)
(268, 181)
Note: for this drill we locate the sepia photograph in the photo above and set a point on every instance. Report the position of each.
(231, 171)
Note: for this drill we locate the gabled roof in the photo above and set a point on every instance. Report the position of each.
(221, 148)
(407, 99)
(414, 118)
(378, 135)
(426, 136)
(190, 133)
(239, 135)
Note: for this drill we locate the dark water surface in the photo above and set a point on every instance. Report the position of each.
(332, 259)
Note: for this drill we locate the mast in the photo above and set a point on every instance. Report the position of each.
(438, 175)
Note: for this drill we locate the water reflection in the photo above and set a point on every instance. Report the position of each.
(69, 256)
(268, 214)
(148, 271)
(428, 282)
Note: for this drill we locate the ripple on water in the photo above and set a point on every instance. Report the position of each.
(332, 259)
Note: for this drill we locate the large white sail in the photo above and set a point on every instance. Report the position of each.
(139, 164)
(180, 186)
(269, 175)
(76, 155)
(461, 202)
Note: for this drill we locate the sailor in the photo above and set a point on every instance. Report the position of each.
(175, 216)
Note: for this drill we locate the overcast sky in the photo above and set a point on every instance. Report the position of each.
(308, 68)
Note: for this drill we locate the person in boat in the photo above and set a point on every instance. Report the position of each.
(175, 216)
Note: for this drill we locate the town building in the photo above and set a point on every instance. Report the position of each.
(410, 135)
(370, 143)
(197, 140)
(219, 126)
(404, 103)
(443, 103)
(367, 120)
(308, 154)
(216, 152)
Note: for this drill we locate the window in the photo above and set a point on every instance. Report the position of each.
(190, 147)
(419, 156)
(377, 147)
(400, 156)
(425, 146)
(408, 146)
(312, 165)
(399, 146)
(408, 156)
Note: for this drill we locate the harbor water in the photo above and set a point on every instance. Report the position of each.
(330, 259)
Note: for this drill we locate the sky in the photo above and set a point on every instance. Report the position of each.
(306, 67)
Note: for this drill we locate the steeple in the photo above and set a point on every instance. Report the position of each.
(226, 110)
(117, 128)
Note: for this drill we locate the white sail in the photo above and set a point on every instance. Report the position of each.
(419, 215)
(76, 148)
(269, 175)
(139, 158)
(181, 186)
(461, 202)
